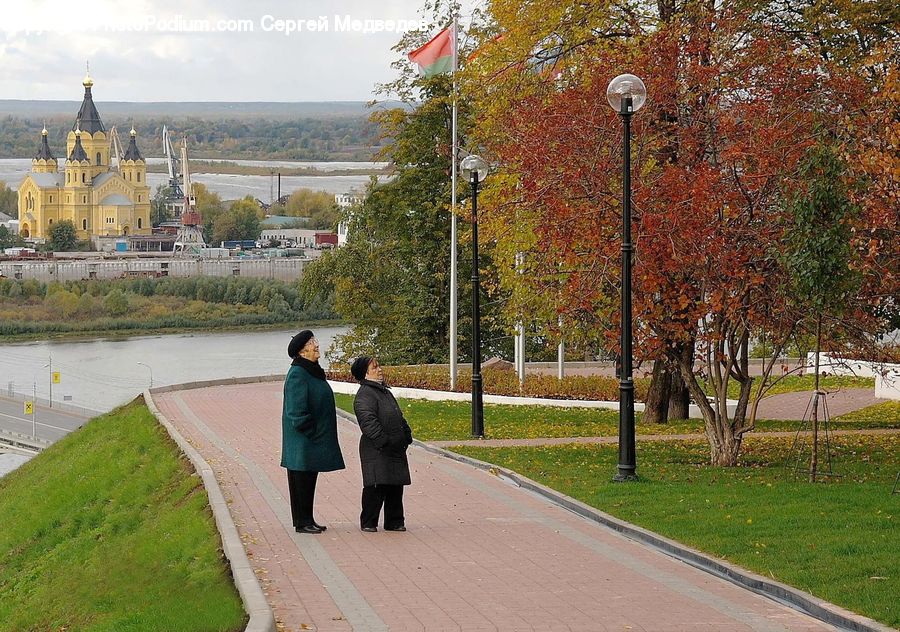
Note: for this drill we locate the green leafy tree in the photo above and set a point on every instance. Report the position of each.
(241, 221)
(8, 239)
(158, 211)
(210, 206)
(9, 201)
(818, 251)
(392, 278)
(63, 237)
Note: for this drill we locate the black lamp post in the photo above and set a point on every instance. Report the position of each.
(476, 169)
(626, 94)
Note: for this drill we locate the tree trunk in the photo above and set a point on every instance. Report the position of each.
(814, 456)
(725, 453)
(679, 396)
(656, 407)
(679, 399)
(724, 444)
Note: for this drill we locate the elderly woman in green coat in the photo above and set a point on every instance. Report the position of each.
(309, 429)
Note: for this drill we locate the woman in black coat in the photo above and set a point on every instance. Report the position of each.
(382, 448)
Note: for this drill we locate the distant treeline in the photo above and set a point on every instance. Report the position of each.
(307, 138)
(30, 307)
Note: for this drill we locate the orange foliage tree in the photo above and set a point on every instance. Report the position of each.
(733, 108)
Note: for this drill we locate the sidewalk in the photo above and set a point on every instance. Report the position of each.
(796, 405)
(480, 553)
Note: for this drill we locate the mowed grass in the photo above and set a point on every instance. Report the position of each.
(110, 530)
(837, 540)
(450, 421)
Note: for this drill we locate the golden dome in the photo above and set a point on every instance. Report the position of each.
(133, 133)
(88, 82)
(44, 131)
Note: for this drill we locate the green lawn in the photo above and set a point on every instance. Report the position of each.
(876, 414)
(836, 540)
(110, 530)
(436, 421)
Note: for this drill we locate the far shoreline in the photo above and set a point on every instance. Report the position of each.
(120, 334)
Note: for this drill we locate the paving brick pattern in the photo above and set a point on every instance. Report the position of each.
(480, 553)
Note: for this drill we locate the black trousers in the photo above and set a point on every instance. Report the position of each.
(388, 496)
(302, 487)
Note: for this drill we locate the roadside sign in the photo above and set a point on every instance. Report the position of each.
(29, 408)
(56, 377)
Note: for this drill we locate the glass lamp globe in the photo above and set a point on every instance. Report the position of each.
(624, 86)
(474, 163)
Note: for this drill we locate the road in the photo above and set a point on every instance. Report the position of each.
(49, 424)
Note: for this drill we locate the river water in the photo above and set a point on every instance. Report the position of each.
(232, 187)
(100, 374)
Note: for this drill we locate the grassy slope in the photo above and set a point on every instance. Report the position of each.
(836, 540)
(110, 529)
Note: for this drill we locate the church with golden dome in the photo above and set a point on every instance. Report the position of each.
(99, 199)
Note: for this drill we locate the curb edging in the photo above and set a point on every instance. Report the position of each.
(262, 618)
(788, 595)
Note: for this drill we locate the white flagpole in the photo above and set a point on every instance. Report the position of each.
(453, 237)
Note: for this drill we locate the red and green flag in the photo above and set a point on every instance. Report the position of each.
(437, 56)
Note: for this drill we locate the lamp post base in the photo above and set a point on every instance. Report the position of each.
(625, 476)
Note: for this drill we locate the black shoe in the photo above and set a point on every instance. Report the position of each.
(310, 528)
(369, 529)
(400, 528)
(320, 526)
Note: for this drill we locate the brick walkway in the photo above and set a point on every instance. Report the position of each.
(795, 405)
(480, 553)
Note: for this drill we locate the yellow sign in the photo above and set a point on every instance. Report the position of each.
(56, 377)
(29, 408)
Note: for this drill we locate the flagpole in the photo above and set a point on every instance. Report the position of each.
(453, 236)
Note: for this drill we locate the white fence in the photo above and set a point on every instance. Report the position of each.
(887, 376)
(350, 388)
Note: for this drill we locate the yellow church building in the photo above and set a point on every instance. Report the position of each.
(97, 198)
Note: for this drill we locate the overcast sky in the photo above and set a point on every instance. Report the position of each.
(200, 50)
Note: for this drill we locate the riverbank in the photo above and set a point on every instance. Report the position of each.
(120, 334)
(226, 167)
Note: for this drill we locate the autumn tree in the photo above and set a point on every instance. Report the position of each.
(318, 206)
(733, 109)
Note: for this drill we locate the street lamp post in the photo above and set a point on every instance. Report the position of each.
(151, 372)
(476, 169)
(626, 94)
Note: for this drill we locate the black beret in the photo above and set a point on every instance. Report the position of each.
(360, 367)
(298, 342)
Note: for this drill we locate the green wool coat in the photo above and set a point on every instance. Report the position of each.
(309, 424)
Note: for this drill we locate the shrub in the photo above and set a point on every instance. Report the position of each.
(593, 387)
(115, 303)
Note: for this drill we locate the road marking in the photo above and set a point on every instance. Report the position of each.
(25, 420)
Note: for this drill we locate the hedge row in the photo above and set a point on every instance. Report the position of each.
(501, 382)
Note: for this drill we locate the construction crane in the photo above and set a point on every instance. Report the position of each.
(190, 236)
(175, 197)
